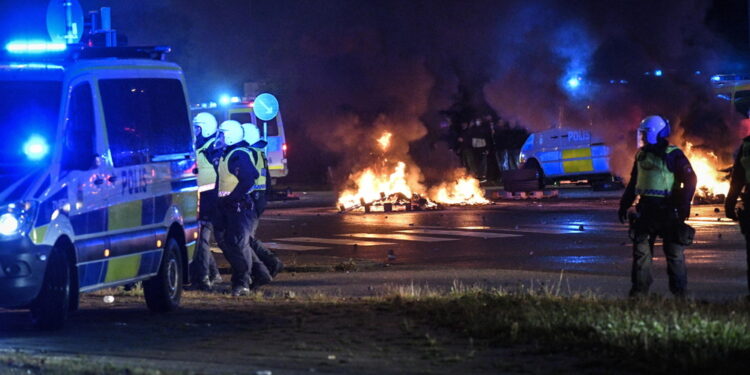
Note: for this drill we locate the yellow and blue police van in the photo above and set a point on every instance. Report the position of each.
(97, 183)
(567, 154)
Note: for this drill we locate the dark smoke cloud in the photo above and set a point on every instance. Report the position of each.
(347, 70)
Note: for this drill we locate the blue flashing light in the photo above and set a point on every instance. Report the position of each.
(658, 72)
(235, 99)
(574, 82)
(716, 78)
(697, 72)
(211, 104)
(224, 100)
(35, 148)
(34, 47)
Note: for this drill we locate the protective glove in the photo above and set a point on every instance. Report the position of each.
(730, 212)
(622, 214)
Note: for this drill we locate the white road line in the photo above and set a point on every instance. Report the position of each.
(334, 241)
(460, 233)
(287, 246)
(399, 236)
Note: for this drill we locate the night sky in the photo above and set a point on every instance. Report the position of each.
(345, 70)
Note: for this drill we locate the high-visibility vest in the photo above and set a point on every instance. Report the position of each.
(206, 171)
(228, 181)
(745, 160)
(654, 178)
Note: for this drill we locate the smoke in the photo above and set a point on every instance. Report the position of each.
(603, 66)
(347, 71)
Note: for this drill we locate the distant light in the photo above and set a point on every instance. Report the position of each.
(34, 47)
(574, 82)
(235, 99)
(658, 72)
(211, 104)
(716, 78)
(611, 81)
(697, 72)
(224, 100)
(36, 148)
(623, 81)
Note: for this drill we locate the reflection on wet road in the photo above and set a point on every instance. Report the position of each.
(569, 236)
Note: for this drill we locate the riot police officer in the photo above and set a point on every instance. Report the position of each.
(204, 272)
(664, 181)
(265, 263)
(740, 186)
(238, 176)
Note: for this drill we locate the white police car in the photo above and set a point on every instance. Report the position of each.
(566, 154)
(97, 186)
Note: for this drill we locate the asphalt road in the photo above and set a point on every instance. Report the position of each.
(577, 235)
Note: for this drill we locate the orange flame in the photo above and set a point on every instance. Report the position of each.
(711, 181)
(385, 141)
(379, 183)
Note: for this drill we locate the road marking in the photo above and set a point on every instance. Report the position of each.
(274, 219)
(460, 233)
(399, 236)
(288, 246)
(334, 241)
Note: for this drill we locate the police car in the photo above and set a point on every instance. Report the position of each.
(566, 154)
(97, 187)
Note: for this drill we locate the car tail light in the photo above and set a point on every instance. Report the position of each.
(283, 148)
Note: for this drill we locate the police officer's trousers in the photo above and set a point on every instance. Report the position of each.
(747, 253)
(204, 269)
(233, 228)
(645, 232)
(265, 263)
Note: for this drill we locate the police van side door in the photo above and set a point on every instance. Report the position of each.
(85, 169)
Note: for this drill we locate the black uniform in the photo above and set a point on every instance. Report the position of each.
(660, 216)
(740, 188)
(235, 216)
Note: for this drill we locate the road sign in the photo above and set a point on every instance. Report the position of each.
(266, 107)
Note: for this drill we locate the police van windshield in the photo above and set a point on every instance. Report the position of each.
(28, 118)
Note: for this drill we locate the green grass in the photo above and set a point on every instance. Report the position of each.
(659, 334)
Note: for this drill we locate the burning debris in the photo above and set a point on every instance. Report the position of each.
(713, 183)
(394, 186)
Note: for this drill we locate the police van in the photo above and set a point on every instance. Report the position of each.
(567, 154)
(97, 183)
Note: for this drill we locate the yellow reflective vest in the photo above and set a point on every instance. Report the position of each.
(228, 181)
(206, 171)
(654, 178)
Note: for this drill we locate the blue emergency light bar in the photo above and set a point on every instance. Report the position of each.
(34, 47)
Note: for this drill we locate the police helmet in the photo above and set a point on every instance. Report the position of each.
(252, 133)
(232, 131)
(207, 123)
(654, 127)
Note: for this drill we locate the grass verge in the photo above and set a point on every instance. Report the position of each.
(654, 334)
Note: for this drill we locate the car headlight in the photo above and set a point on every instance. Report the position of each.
(16, 219)
(521, 158)
(8, 224)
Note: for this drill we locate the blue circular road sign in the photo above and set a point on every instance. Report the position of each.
(266, 107)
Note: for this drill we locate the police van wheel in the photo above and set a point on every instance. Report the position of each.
(534, 165)
(163, 291)
(50, 308)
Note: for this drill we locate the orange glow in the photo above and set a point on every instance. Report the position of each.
(465, 190)
(711, 181)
